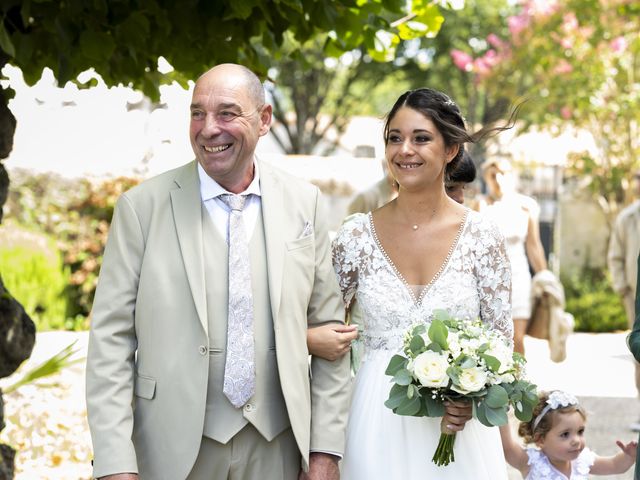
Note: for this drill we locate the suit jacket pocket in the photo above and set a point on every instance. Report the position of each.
(145, 387)
(300, 242)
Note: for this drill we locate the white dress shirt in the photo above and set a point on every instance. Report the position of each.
(210, 191)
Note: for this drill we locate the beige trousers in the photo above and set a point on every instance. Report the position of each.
(248, 456)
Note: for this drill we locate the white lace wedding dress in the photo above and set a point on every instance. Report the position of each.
(474, 281)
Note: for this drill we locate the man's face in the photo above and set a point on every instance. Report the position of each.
(226, 123)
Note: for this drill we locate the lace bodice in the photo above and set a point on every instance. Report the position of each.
(540, 467)
(474, 281)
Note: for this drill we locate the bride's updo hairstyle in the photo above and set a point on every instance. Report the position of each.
(445, 114)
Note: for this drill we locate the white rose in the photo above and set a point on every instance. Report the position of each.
(470, 380)
(430, 369)
(504, 378)
(454, 344)
(504, 355)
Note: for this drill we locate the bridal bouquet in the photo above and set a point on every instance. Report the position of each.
(451, 359)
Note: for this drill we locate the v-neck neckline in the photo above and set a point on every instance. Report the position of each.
(418, 300)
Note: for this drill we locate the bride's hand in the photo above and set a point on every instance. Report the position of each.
(457, 414)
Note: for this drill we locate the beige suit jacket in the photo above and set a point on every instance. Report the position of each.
(147, 365)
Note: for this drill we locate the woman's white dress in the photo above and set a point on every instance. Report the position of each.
(474, 281)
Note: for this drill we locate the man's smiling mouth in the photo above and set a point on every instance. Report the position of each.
(216, 149)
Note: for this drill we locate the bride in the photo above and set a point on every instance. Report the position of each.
(418, 253)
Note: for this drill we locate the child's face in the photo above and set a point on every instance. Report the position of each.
(565, 440)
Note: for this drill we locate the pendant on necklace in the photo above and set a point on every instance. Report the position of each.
(415, 226)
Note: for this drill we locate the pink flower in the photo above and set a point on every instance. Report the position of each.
(618, 44)
(569, 22)
(541, 8)
(462, 60)
(495, 41)
(563, 67)
(517, 24)
(491, 58)
(566, 43)
(482, 67)
(565, 112)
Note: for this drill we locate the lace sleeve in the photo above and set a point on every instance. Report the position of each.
(345, 257)
(494, 280)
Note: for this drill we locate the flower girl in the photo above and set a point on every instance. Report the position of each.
(557, 429)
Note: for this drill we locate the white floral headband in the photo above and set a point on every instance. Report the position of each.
(557, 399)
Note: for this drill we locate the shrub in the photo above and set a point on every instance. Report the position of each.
(75, 212)
(593, 303)
(38, 281)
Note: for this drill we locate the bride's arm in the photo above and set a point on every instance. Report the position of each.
(493, 271)
(331, 341)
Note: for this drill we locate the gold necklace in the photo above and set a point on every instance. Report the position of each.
(415, 226)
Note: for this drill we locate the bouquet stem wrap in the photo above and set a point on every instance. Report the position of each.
(443, 455)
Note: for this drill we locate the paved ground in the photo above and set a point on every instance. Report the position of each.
(49, 424)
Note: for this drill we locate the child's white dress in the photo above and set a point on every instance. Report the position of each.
(541, 468)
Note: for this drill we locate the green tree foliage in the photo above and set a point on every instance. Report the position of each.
(122, 39)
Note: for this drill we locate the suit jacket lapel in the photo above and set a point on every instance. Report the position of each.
(187, 215)
(273, 220)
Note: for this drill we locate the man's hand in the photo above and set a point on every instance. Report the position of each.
(121, 476)
(322, 466)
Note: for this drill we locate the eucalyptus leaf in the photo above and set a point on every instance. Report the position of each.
(403, 377)
(397, 395)
(438, 333)
(433, 407)
(496, 397)
(496, 416)
(480, 412)
(410, 406)
(396, 363)
(417, 345)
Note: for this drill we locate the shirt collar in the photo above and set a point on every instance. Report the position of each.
(209, 188)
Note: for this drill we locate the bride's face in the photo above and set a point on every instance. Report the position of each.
(415, 149)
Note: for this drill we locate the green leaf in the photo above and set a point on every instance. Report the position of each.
(397, 395)
(5, 42)
(497, 397)
(384, 46)
(496, 416)
(431, 18)
(241, 9)
(97, 45)
(417, 345)
(403, 377)
(492, 362)
(49, 367)
(410, 406)
(396, 363)
(479, 411)
(438, 333)
(433, 407)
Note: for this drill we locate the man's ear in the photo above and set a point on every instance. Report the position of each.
(266, 116)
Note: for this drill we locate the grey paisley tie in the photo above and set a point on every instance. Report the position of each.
(239, 372)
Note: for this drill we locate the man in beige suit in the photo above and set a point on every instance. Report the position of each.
(158, 340)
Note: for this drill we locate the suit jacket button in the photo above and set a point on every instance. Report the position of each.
(202, 349)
